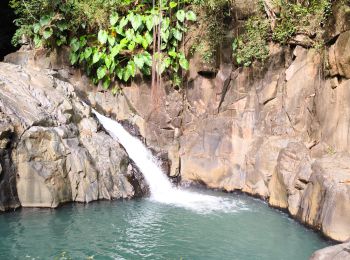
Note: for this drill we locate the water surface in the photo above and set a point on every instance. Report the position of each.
(243, 228)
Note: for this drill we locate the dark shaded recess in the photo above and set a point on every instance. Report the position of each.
(7, 29)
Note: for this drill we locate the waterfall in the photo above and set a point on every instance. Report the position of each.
(161, 188)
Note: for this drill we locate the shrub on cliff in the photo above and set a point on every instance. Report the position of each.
(280, 22)
(111, 39)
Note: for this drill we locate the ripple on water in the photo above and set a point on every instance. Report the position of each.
(229, 227)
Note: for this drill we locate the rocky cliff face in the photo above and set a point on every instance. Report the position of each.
(278, 130)
(52, 148)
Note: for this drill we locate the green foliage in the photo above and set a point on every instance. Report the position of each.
(50, 31)
(111, 39)
(120, 51)
(291, 19)
(253, 44)
(212, 27)
(302, 18)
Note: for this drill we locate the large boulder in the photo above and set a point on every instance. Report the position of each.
(290, 177)
(333, 114)
(8, 192)
(60, 152)
(339, 20)
(339, 56)
(337, 252)
(261, 164)
(326, 200)
(42, 177)
(298, 97)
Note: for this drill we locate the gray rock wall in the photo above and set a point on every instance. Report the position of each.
(52, 148)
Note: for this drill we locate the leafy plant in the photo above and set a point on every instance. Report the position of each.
(293, 18)
(253, 44)
(112, 40)
(50, 30)
(120, 51)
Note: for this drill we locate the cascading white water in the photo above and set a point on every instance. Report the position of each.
(160, 187)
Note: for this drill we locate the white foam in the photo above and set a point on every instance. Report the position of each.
(161, 189)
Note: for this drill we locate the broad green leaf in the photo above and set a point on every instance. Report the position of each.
(87, 52)
(172, 4)
(161, 68)
(180, 27)
(113, 65)
(132, 46)
(139, 61)
(102, 36)
(83, 41)
(95, 80)
(130, 34)
(172, 54)
(96, 57)
(108, 61)
(144, 43)
(180, 15)
(81, 57)
(62, 26)
(146, 71)
(101, 72)
(165, 24)
(136, 21)
(115, 51)
(111, 40)
(184, 63)
(148, 38)
(191, 16)
(132, 68)
(177, 34)
(47, 33)
(74, 44)
(163, 46)
(62, 40)
(123, 43)
(36, 28)
(138, 38)
(73, 58)
(126, 75)
(165, 36)
(149, 22)
(147, 57)
(120, 72)
(113, 19)
(106, 83)
(45, 20)
(123, 22)
(167, 62)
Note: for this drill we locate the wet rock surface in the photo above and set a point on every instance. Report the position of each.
(53, 149)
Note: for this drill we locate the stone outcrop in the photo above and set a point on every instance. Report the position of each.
(52, 148)
(339, 56)
(268, 130)
(337, 252)
(278, 130)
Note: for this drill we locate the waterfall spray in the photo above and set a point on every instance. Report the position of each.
(161, 188)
